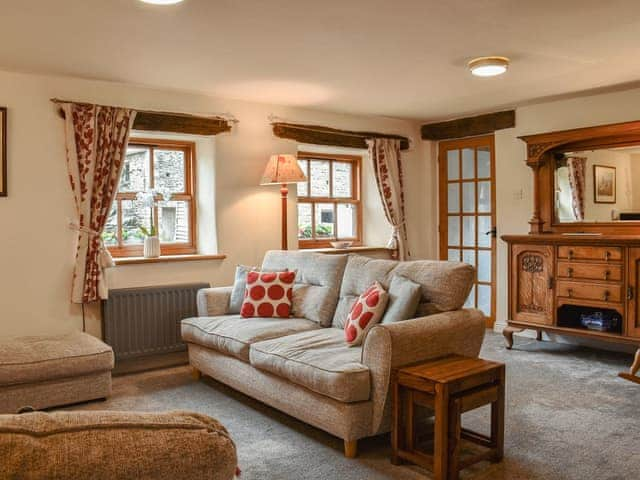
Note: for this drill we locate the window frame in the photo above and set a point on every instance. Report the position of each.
(189, 195)
(355, 199)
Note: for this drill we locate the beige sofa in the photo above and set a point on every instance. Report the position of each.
(303, 366)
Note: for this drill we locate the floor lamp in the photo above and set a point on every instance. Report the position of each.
(282, 170)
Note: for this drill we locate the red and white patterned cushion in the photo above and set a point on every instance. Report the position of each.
(365, 313)
(268, 294)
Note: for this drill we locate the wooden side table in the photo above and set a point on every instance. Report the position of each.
(449, 386)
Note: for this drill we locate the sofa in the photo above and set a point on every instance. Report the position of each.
(115, 445)
(303, 366)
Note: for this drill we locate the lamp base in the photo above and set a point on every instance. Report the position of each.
(284, 191)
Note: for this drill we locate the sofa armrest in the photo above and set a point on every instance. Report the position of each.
(397, 344)
(213, 301)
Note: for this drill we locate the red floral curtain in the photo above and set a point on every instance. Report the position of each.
(96, 143)
(577, 179)
(387, 165)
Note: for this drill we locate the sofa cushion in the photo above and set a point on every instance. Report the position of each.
(318, 281)
(445, 285)
(404, 297)
(45, 358)
(268, 294)
(366, 312)
(319, 360)
(233, 335)
(239, 286)
(359, 274)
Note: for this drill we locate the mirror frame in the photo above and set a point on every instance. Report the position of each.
(541, 149)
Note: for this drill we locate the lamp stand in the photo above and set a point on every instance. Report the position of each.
(284, 190)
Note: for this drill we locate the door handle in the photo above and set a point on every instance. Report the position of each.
(550, 283)
(629, 293)
(493, 232)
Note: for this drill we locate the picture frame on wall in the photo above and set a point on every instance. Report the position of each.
(604, 184)
(3, 152)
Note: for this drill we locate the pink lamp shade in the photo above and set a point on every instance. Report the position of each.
(282, 169)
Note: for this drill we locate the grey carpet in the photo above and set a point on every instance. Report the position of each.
(568, 417)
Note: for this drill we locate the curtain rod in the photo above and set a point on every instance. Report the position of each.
(228, 117)
(275, 120)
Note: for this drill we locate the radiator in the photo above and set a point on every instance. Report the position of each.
(140, 322)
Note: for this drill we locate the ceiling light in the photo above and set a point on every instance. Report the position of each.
(488, 66)
(162, 2)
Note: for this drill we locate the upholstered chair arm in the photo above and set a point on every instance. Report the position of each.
(213, 301)
(394, 345)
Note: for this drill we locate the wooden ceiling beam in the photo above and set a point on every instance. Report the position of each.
(469, 126)
(317, 135)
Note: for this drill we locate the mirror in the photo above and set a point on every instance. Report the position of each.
(597, 185)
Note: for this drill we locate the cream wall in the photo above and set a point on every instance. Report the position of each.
(37, 248)
(513, 177)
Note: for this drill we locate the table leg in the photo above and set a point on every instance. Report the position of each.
(454, 439)
(497, 419)
(395, 425)
(441, 434)
(409, 427)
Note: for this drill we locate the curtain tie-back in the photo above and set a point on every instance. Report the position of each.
(81, 228)
(104, 256)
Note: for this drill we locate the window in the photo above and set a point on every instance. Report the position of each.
(167, 168)
(329, 201)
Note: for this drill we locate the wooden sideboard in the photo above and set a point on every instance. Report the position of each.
(553, 278)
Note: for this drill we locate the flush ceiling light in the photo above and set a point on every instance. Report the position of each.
(162, 2)
(488, 66)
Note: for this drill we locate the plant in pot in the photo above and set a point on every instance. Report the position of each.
(150, 199)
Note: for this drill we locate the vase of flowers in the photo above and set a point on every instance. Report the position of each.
(150, 199)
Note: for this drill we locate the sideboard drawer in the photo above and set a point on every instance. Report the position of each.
(603, 254)
(587, 291)
(590, 271)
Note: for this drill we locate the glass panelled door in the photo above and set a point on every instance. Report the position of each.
(467, 214)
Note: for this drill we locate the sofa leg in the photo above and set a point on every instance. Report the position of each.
(196, 374)
(350, 448)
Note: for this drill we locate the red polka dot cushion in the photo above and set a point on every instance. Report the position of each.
(268, 294)
(365, 313)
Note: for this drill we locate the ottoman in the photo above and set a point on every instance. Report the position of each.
(115, 445)
(49, 371)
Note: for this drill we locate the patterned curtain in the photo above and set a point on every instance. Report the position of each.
(96, 143)
(577, 171)
(387, 165)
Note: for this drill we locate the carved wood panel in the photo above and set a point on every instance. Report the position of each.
(532, 283)
(633, 305)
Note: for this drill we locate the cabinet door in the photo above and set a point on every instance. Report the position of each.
(532, 294)
(633, 304)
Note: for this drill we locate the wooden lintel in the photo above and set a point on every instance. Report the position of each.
(317, 135)
(469, 126)
(177, 123)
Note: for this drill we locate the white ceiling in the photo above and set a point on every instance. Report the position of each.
(403, 58)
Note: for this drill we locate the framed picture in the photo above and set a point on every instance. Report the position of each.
(3, 151)
(604, 184)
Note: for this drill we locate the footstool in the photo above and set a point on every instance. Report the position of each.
(50, 371)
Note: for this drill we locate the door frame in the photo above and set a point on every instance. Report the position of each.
(443, 146)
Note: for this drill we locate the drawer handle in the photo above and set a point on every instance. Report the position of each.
(606, 295)
(569, 272)
(607, 255)
(607, 274)
(570, 255)
(570, 292)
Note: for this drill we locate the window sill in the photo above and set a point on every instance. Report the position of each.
(362, 249)
(166, 259)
